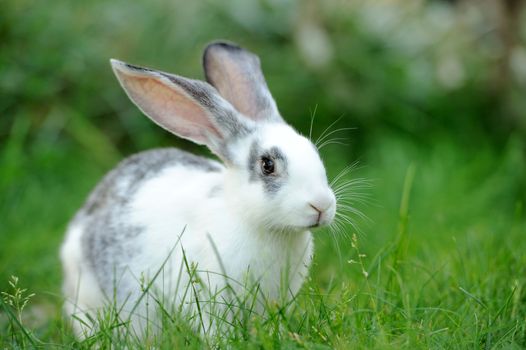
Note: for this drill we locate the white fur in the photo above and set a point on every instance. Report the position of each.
(161, 205)
(80, 285)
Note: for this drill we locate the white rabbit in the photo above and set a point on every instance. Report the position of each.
(164, 214)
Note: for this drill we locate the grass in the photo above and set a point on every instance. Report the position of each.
(440, 264)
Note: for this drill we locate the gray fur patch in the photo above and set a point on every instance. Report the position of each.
(133, 170)
(215, 191)
(271, 183)
(108, 240)
(253, 161)
(137, 68)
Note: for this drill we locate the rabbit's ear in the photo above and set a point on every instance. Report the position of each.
(236, 74)
(189, 108)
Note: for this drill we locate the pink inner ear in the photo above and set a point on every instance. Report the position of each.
(234, 85)
(170, 107)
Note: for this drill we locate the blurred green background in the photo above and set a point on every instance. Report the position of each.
(436, 86)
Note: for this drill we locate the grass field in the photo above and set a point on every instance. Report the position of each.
(434, 89)
(440, 263)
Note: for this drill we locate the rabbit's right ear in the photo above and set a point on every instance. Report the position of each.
(189, 108)
(236, 74)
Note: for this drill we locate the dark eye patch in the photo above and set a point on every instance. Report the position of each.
(272, 183)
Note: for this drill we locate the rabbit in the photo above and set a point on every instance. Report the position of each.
(164, 217)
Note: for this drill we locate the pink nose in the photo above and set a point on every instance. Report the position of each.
(321, 204)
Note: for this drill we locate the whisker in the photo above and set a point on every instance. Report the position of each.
(348, 193)
(339, 228)
(327, 129)
(355, 201)
(335, 141)
(347, 220)
(351, 193)
(324, 137)
(312, 121)
(337, 244)
(356, 211)
(344, 172)
(356, 184)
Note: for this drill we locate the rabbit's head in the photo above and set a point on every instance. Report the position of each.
(275, 177)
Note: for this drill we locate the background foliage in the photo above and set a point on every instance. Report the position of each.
(434, 89)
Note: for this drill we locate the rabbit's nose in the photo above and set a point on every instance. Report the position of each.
(322, 202)
(316, 208)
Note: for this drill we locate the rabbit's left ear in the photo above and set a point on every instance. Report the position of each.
(236, 74)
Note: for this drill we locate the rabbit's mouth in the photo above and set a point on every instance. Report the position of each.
(320, 223)
(321, 220)
(295, 228)
(321, 217)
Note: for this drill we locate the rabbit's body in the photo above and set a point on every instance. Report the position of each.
(139, 220)
(169, 227)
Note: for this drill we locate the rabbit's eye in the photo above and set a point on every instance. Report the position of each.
(267, 166)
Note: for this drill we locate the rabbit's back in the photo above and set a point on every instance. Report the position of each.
(119, 185)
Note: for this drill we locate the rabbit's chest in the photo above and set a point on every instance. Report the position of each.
(273, 263)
